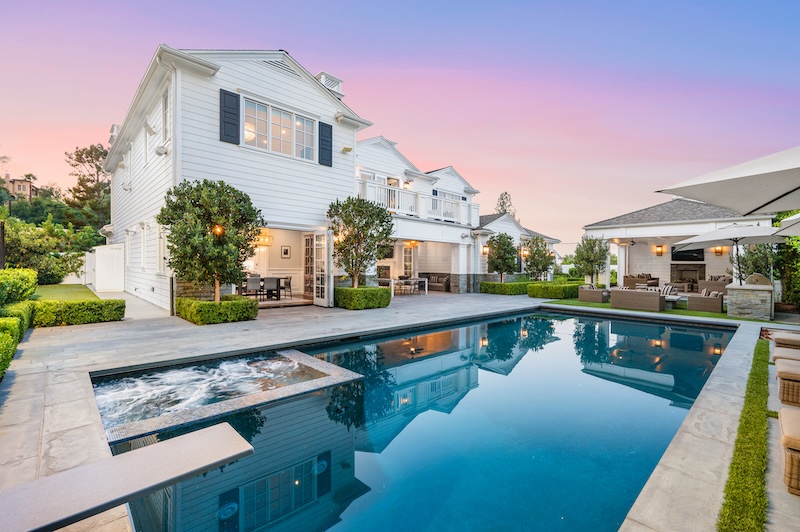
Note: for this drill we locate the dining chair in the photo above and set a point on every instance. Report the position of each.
(253, 287)
(286, 286)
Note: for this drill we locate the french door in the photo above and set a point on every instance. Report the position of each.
(323, 269)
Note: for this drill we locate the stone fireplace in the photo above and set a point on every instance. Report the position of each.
(679, 272)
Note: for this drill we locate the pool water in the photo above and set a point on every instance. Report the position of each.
(546, 422)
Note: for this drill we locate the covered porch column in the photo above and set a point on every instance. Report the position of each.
(622, 263)
(459, 268)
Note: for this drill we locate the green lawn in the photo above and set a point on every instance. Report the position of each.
(63, 292)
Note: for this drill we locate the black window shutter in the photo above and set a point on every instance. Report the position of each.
(228, 117)
(434, 192)
(325, 144)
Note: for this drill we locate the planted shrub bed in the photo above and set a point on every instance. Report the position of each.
(23, 312)
(554, 291)
(506, 289)
(361, 298)
(230, 308)
(16, 284)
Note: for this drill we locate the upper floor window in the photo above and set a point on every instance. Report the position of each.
(370, 176)
(165, 115)
(275, 129)
(443, 194)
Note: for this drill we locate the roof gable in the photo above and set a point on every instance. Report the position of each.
(386, 144)
(674, 211)
(450, 171)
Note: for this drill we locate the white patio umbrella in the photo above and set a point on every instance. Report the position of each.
(790, 226)
(765, 185)
(734, 234)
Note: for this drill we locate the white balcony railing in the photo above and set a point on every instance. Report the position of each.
(425, 206)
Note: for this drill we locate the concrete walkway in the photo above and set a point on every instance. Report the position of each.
(49, 420)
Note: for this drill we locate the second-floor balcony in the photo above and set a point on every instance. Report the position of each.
(419, 205)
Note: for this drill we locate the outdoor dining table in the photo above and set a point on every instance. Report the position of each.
(270, 287)
(399, 286)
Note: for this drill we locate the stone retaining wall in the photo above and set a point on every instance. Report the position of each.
(750, 301)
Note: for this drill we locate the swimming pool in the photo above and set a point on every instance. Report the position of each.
(536, 422)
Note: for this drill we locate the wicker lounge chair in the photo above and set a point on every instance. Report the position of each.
(631, 281)
(710, 303)
(592, 295)
(718, 285)
(787, 339)
(789, 420)
(638, 300)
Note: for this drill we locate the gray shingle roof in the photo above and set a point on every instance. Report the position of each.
(677, 210)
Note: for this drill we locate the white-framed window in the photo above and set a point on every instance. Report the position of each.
(408, 261)
(372, 176)
(165, 116)
(444, 194)
(161, 250)
(271, 497)
(277, 130)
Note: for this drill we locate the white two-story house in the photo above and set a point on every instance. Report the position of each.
(254, 119)
(260, 122)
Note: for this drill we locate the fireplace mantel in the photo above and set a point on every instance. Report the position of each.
(679, 271)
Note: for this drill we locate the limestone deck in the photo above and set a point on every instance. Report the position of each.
(49, 420)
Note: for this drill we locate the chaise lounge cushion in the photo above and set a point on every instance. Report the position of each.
(787, 339)
(785, 352)
(790, 428)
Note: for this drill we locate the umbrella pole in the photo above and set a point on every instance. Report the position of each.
(738, 262)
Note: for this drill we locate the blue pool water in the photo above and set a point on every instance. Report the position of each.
(536, 423)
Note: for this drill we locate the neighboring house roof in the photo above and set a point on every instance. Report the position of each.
(486, 219)
(674, 211)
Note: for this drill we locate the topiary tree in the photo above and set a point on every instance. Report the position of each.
(362, 235)
(590, 256)
(502, 255)
(212, 227)
(537, 259)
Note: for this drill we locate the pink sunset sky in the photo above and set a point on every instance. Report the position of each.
(580, 110)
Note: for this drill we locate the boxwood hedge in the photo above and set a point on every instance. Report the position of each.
(361, 298)
(506, 289)
(16, 284)
(8, 346)
(230, 308)
(554, 291)
(23, 312)
(51, 313)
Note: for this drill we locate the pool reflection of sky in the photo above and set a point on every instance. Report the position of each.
(547, 446)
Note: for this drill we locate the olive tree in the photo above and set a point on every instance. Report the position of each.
(537, 258)
(502, 255)
(590, 256)
(211, 229)
(362, 235)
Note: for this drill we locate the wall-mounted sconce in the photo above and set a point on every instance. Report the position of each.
(523, 332)
(717, 349)
(659, 250)
(525, 252)
(485, 250)
(553, 254)
(161, 150)
(406, 185)
(484, 341)
(657, 343)
(347, 149)
(718, 250)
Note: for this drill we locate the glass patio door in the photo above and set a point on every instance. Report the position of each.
(323, 270)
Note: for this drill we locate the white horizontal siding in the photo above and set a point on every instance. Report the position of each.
(293, 432)
(434, 257)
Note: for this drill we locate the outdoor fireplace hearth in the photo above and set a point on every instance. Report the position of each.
(685, 273)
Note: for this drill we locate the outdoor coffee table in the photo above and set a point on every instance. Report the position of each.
(671, 300)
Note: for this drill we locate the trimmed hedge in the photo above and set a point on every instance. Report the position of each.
(230, 308)
(554, 291)
(361, 298)
(506, 289)
(23, 312)
(16, 284)
(11, 327)
(54, 313)
(8, 346)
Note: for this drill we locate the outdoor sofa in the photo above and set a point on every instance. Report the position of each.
(718, 284)
(638, 300)
(709, 303)
(630, 281)
(439, 282)
(590, 294)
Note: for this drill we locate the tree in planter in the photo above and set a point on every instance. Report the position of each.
(502, 257)
(590, 256)
(212, 227)
(362, 235)
(537, 259)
